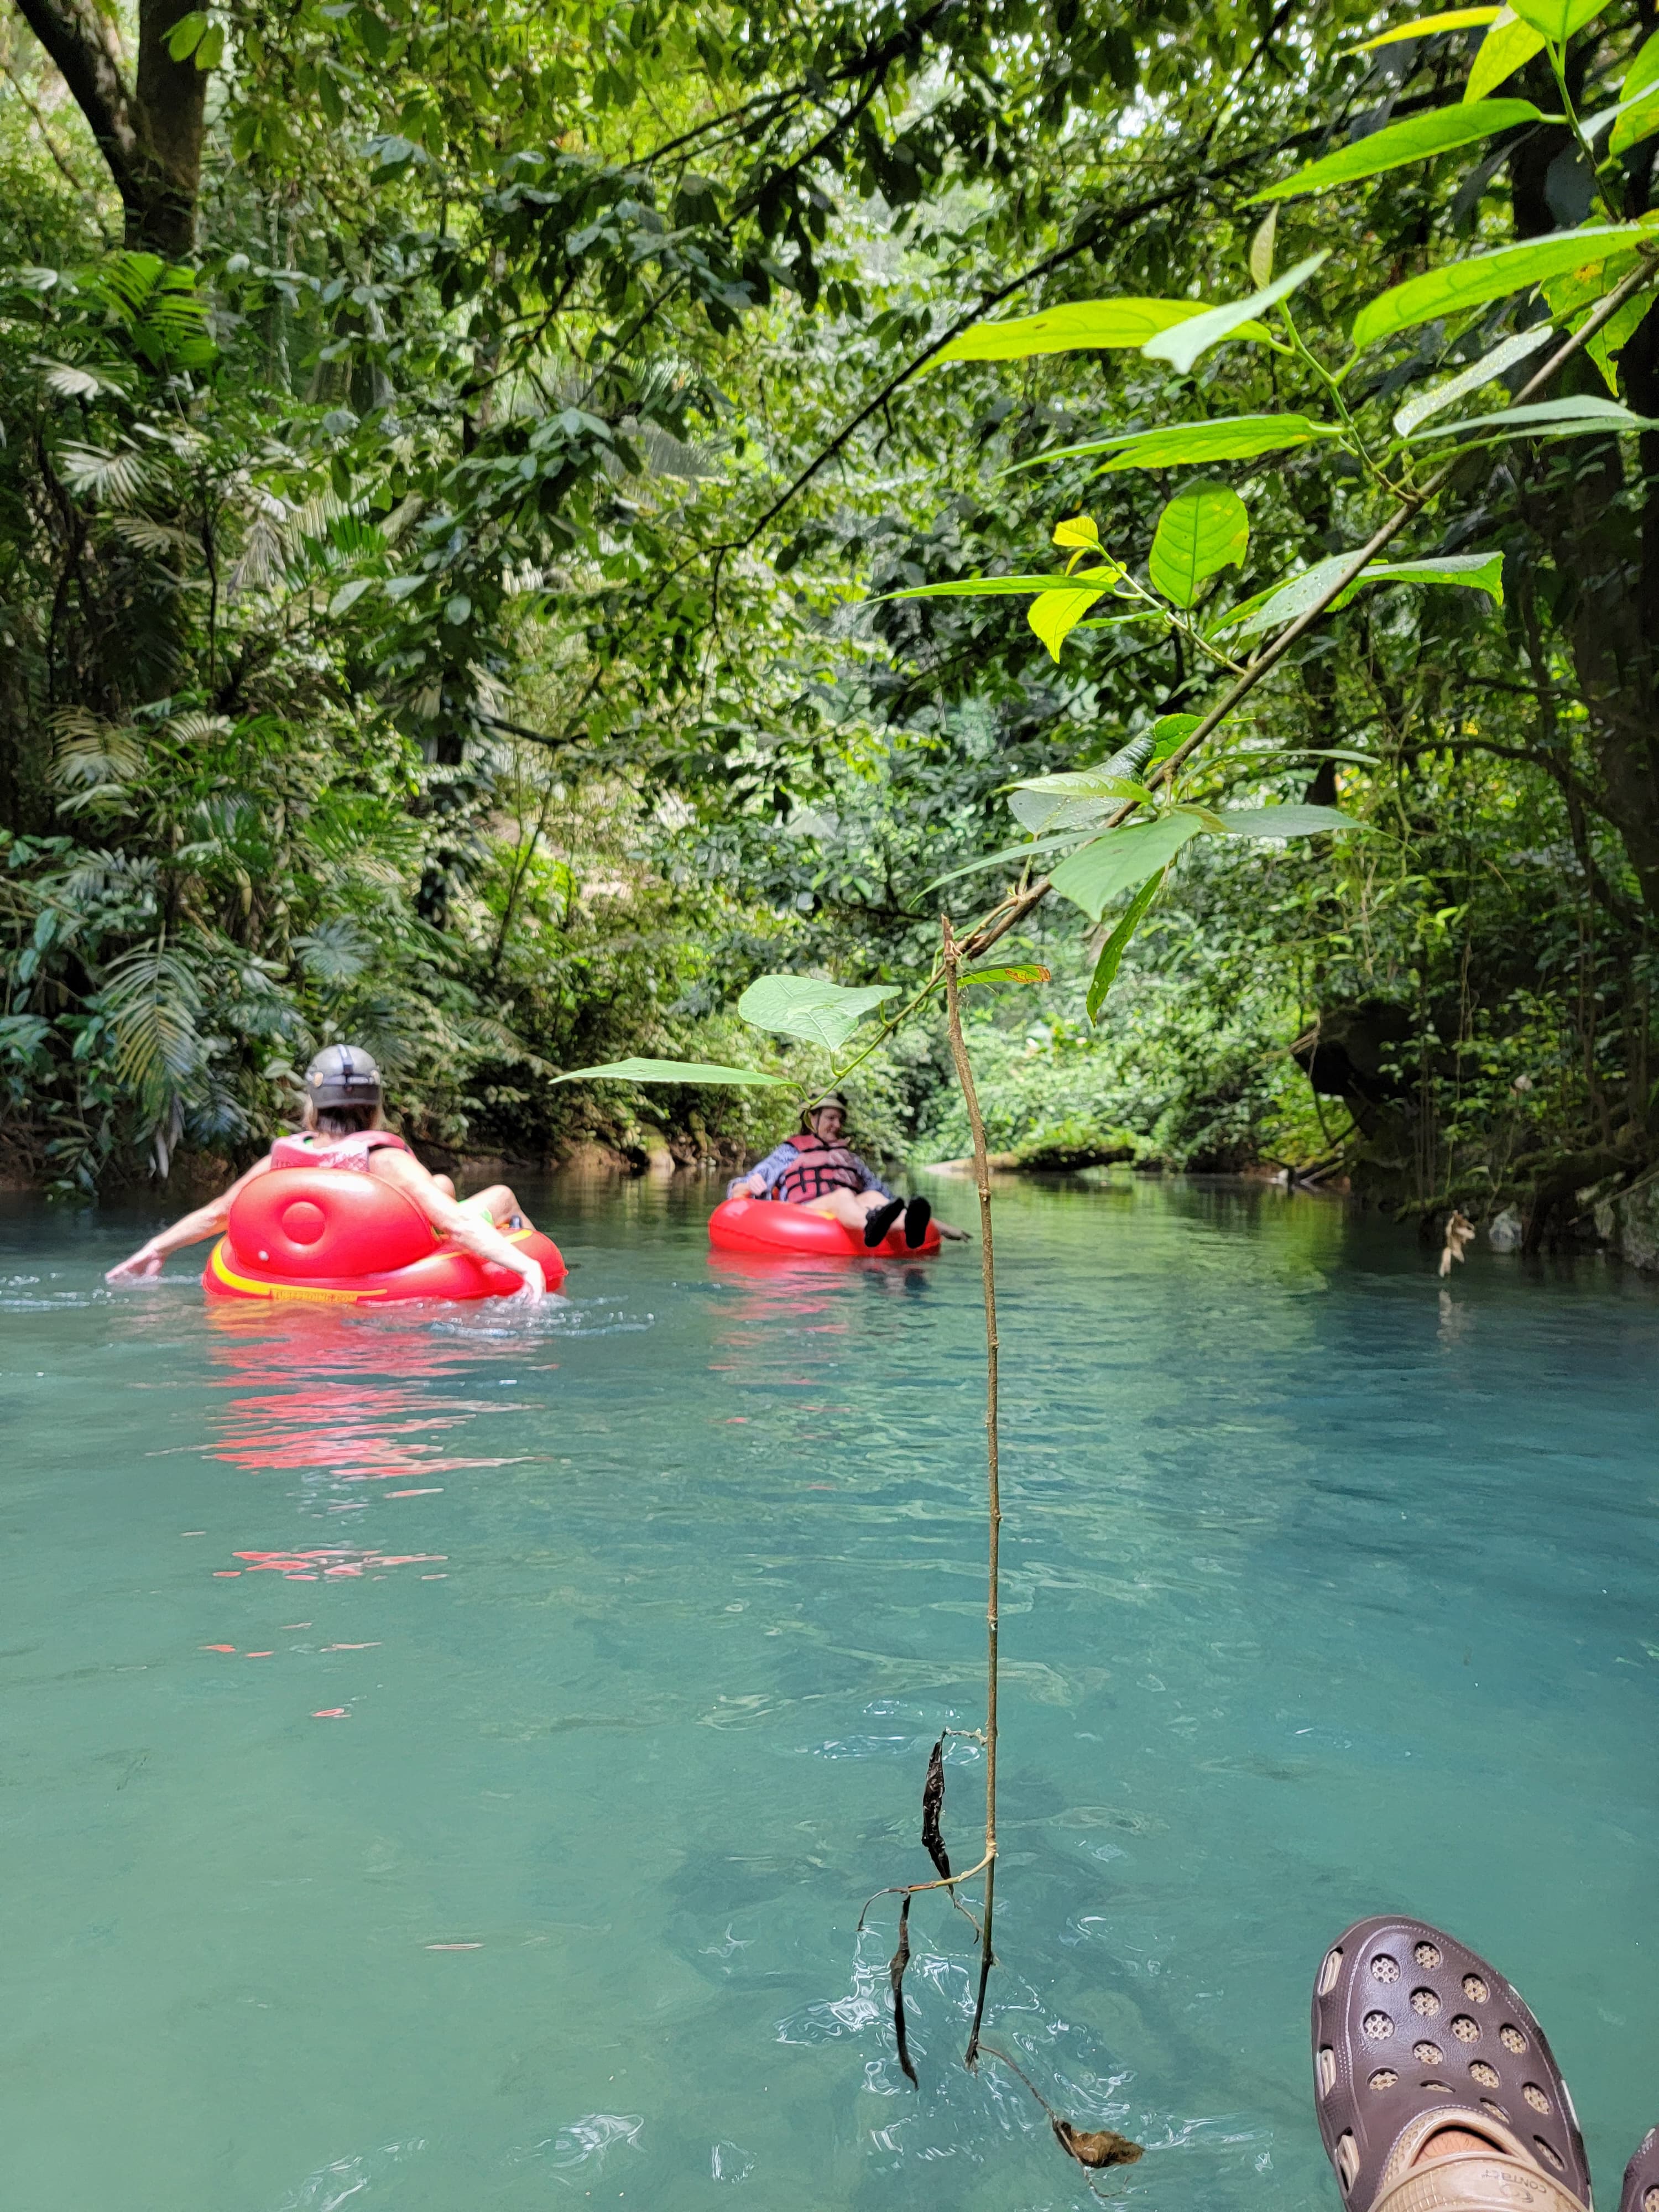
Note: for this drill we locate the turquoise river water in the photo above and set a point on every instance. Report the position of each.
(443, 1754)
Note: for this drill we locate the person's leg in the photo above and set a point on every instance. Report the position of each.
(866, 1212)
(499, 1203)
(446, 1183)
(1435, 2087)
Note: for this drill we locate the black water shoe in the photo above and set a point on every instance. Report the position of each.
(917, 1215)
(876, 1225)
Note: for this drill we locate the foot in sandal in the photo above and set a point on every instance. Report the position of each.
(1435, 2087)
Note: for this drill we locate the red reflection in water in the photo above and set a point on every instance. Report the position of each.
(314, 1389)
(331, 1561)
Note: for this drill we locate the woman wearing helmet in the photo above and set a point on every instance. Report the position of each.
(345, 1127)
(815, 1169)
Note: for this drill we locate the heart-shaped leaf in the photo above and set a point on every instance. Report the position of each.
(808, 1007)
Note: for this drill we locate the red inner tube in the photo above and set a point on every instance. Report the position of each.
(331, 1236)
(773, 1226)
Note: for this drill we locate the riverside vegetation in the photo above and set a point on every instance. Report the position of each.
(469, 490)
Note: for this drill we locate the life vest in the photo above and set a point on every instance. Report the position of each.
(816, 1168)
(352, 1151)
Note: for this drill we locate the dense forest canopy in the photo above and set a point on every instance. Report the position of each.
(457, 471)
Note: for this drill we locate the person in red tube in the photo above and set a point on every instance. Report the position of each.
(345, 1127)
(815, 1169)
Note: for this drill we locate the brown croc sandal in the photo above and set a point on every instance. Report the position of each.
(1413, 2035)
(1641, 2189)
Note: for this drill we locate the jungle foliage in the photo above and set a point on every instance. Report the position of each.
(448, 466)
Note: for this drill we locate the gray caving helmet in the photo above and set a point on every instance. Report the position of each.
(343, 1075)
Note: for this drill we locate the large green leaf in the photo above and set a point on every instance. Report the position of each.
(1460, 286)
(1041, 811)
(1429, 27)
(1086, 783)
(1284, 821)
(1640, 120)
(992, 587)
(1557, 19)
(1419, 138)
(1054, 614)
(1112, 952)
(1502, 357)
(1085, 325)
(1183, 345)
(1037, 847)
(1509, 45)
(665, 1071)
(1475, 572)
(1202, 531)
(808, 1007)
(1482, 572)
(1577, 416)
(1179, 445)
(1122, 860)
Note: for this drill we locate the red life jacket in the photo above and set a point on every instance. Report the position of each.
(816, 1168)
(352, 1151)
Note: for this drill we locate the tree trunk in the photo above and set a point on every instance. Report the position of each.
(148, 131)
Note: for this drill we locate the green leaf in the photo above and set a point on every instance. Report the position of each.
(1615, 336)
(1509, 45)
(1112, 952)
(1419, 138)
(1482, 572)
(1642, 120)
(1039, 812)
(1036, 848)
(666, 1071)
(1259, 259)
(1084, 326)
(1183, 345)
(1087, 783)
(1028, 972)
(1428, 26)
(187, 35)
(1054, 614)
(1201, 532)
(992, 587)
(1462, 285)
(808, 1007)
(1121, 859)
(349, 594)
(1574, 418)
(1557, 19)
(1284, 821)
(1475, 572)
(1170, 733)
(1490, 365)
(210, 48)
(1231, 438)
(1082, 532)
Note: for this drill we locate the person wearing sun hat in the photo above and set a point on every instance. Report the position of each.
(815, 1169)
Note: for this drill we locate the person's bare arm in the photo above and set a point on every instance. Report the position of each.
(460, 1223)
(207, 1220)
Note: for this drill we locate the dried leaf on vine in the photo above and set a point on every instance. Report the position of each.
(1097, 2148)
(900, 1961)
(932, 1804)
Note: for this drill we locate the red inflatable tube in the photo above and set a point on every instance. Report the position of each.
(773, 1227)
(330, 1237)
